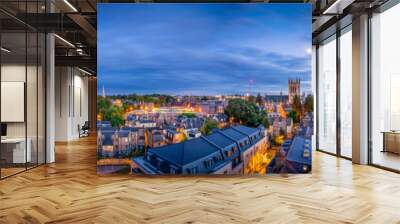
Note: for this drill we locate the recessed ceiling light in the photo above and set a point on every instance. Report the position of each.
(70, 5)
(84, 71)
(64, 40)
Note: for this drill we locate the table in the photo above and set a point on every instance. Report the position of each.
(13, 150)
(391, 141)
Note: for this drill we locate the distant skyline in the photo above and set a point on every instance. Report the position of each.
(203, 49)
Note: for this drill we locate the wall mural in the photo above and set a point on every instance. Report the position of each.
(199, 89)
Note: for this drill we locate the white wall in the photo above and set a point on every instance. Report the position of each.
(12, 73)
(33, 126)
(71, 103)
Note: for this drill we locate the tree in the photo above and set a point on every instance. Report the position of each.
(259, 100)
(208, 126)
(103, 104)
(309, 104)
(245, 112)
(114, 114)
(188, 115)
(292, 114)
(296, 106)
(251, 99)
(265, 121)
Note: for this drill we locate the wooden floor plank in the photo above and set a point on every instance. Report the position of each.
(70, 191)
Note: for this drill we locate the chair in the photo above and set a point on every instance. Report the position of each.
(84, 130)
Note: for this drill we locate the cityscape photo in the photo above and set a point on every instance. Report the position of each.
(198, 89)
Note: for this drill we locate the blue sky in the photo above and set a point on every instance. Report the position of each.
(203, 49)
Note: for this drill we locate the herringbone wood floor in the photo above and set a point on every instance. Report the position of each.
(69, 191)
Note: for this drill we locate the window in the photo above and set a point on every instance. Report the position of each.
(192, 170)
(346, 93)
(385, 88)
(208, 163)
(327, 95)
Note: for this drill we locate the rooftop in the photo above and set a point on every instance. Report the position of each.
(185, 152)
(195, 149)
(296, 151)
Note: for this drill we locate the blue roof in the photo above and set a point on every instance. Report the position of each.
(219, 139)
(296, 151)
(246, 130)
(129, 129)
(149, 169)
(107, 140)
(123, 133)
(105, 129)
(185, 152)
(234, 134)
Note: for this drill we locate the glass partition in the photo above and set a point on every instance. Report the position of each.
(22, 88)
(385, 89)
(13, 94)
(327, 96)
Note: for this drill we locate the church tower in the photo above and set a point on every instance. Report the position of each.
(294, 89)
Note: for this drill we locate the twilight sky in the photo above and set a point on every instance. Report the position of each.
(203, 49)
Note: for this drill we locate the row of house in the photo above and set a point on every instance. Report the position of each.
(294, 156)
(115, 143)
(225, 151)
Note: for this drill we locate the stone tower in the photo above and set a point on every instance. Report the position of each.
(294, 88)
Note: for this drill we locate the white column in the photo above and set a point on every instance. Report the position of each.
(360, 89)
(50, 99)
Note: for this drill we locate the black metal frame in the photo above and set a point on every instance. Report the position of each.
(337, 34)
(338, 98)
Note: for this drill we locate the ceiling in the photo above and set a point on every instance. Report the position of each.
(75, 22)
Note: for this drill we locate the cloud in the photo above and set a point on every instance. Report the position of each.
(183, 50)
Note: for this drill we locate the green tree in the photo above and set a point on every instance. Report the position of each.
(251, 99)
(296, 106)
(103, 104)
(292, 114)
(247, 113)
(188, 115)
(259, 100)
(208, 126)
(309, 103)
(265, 121)
(169, 99)
(114, 114)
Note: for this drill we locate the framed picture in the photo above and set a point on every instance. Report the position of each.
(204, 89)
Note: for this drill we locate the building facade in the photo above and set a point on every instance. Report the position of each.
(224, 151)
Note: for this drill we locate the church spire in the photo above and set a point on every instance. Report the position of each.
(103, 92)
